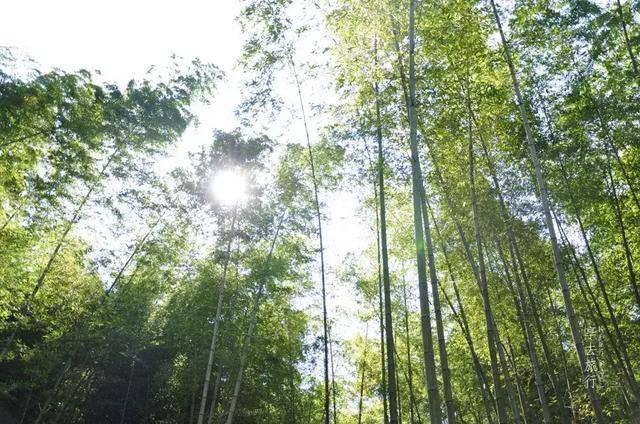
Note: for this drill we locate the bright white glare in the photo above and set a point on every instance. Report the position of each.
(229, 187)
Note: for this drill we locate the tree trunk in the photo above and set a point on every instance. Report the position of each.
(126, 396)
(612, 356)
(433, 276)
(133, 254)
(293, 389)
(252, 323)
(519, 269)
(214, 395)
(587, 293)
(412, 404)
(484, 289)
(9, 219)
(601, 284)
(382, 258)
(26, 405)
(615, 203)
(511, 394)
(523, 313)
(461, 318)
(400, 411)
(412, 398)
(321, 247)
(44, 409)
(627, 42)
(522, 397)
(611, 149)
(192, 409)
(383, 368)
(216, 324)
(544, 199)
(363, 366)
(333, 380)
(463, 238)
(416, 174)
(386, 279)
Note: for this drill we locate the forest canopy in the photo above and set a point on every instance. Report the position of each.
(485, 154)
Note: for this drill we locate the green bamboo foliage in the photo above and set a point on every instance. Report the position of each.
(492, 149)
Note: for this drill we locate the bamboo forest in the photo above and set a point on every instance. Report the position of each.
(327, 211)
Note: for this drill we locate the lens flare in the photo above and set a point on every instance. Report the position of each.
(229, 187)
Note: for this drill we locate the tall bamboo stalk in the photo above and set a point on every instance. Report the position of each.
(627, 41)
(333, 380)
(386, 279)
(416, 175)
(325, 324)
(217, 319)
(544, 200)
(363, 368)
(484, 289)
(460, 315)
(527, 302)
(252, 324)
(383, 367)
(408, 349)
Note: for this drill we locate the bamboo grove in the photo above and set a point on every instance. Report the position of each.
(493, 150)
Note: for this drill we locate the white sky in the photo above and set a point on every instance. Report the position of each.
(124, 38)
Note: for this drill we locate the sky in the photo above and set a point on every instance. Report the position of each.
(124, 38)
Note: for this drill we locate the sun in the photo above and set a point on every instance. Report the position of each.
(229, 187)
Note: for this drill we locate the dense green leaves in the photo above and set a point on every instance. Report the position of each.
(111, 271)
